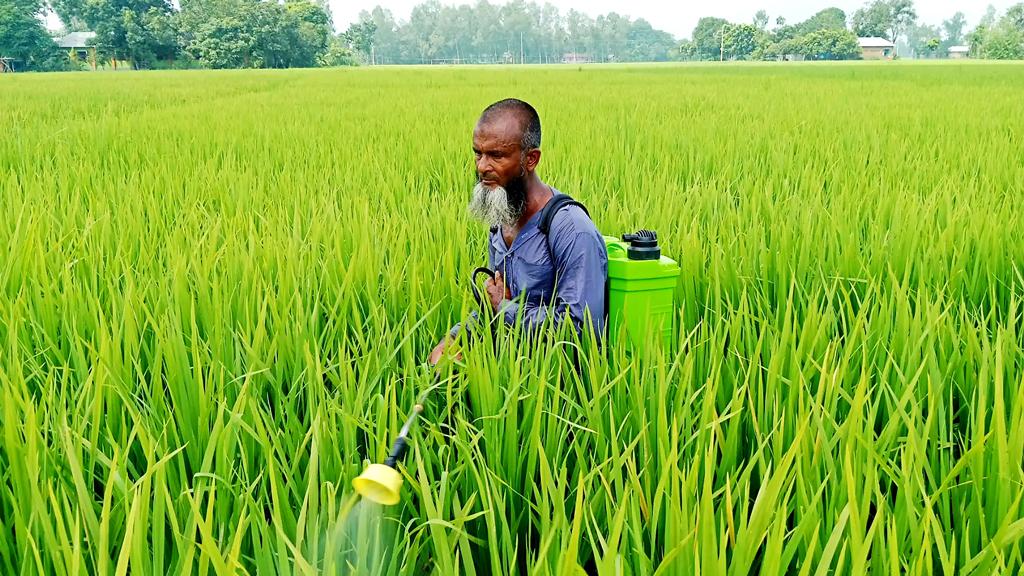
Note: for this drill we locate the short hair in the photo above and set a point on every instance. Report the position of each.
(528, 117)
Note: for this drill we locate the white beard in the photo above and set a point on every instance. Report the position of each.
(490, 206)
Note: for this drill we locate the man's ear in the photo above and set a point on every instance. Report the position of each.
(532, 159)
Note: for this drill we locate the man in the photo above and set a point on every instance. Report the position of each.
(561, 274)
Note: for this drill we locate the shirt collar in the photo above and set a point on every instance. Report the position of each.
(530, 229)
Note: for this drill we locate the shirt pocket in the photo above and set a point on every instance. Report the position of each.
(535, 277)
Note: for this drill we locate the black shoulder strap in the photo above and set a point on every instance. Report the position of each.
(558, 202)
(547, 214)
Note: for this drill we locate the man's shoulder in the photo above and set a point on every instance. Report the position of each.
(572, 218)
(570, 223)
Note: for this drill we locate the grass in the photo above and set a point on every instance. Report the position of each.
(218, 289)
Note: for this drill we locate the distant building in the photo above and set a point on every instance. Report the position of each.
(576, 58)
(875, 48)
(959, 52)
(76, 45)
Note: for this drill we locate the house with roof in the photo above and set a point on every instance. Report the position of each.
(875, 48)
(78, 46)
(959, 52)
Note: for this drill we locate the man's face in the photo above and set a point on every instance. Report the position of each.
(497, 145)
(500, 193)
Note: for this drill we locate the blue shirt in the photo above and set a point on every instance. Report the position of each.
(565, 282)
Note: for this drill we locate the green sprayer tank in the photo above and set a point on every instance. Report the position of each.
(641, 290)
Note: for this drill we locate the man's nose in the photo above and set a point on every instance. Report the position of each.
(483, 165)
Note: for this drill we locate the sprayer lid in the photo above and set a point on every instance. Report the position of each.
(643, 245)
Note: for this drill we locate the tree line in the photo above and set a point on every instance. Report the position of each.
(517, 32)
(300, 33)
(832, 35)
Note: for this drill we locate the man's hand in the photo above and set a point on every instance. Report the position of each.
(496, 290)
(439, 351)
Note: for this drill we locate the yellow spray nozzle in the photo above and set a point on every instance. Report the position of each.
(379, 483)
(382, 483)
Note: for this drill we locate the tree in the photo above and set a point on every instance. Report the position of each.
(253, 33)
(1015, 16)
(872, 20)
(516, 31)
(885, 18)
(338, 54)
(977, 39)
(389, 46)
(901, 16)
(422, 30)
(71, 14)
(827, 19)
(828, 45)
(132, 30)
(783, 33)
(953, 30)
(359, 37)
(707, 37)
(761, 20)
(161, 36)
(312, 30)
(686, 50)
(612, 36)
(786, 39)
(579, 33)
(919, 39)
(23, 36)
(645, 44)
(222, 42)
(989, 19)
(1004, 42)
(742, 40)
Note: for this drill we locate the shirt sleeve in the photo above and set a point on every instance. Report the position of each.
(581, 267)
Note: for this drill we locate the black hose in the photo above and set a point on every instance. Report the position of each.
(401, 445)
(398, 451)
(484, 307)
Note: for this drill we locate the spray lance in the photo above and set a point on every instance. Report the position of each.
(382, 483)
(640, 303)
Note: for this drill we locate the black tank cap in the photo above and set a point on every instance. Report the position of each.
(643, 245)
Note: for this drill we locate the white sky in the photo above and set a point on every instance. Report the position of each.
(679, 16)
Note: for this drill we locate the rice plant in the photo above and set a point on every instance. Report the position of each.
(219, 289)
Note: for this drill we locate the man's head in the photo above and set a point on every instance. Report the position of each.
(506, 143)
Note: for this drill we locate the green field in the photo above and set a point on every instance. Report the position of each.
(217, 291)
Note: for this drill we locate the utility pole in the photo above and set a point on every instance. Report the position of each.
(721, 51)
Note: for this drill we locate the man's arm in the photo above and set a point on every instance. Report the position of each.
(581, 265)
